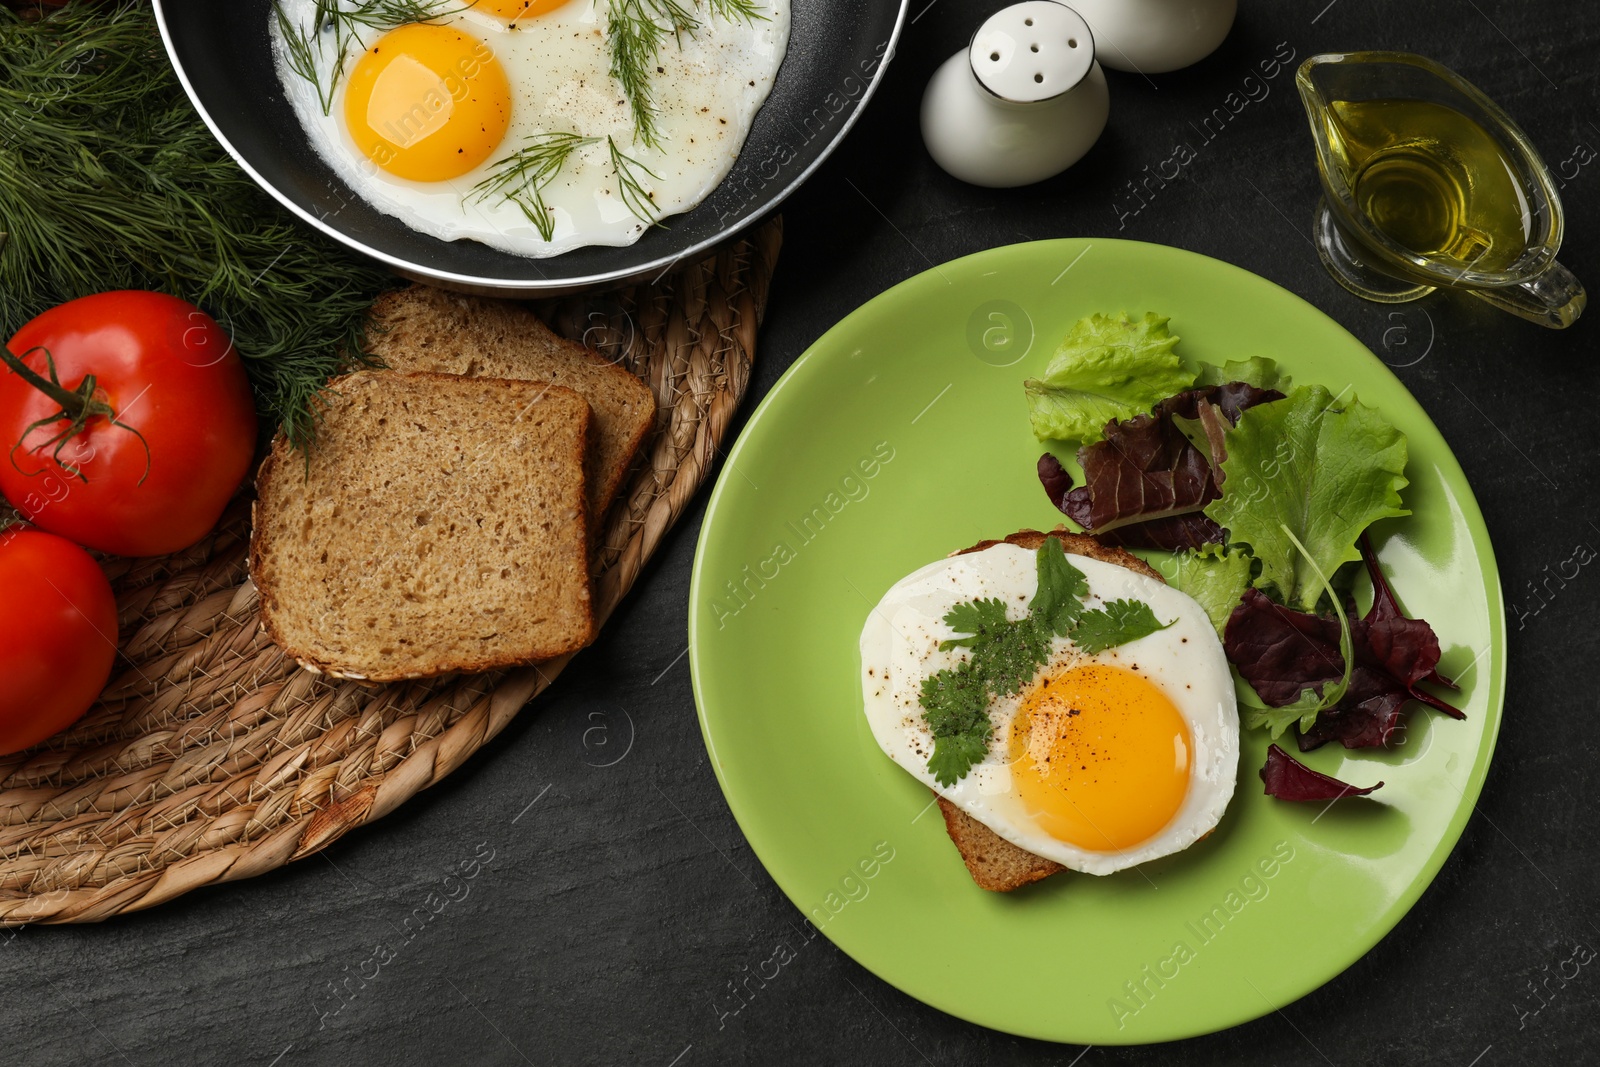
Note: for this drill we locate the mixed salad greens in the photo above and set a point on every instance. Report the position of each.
(1264, 491)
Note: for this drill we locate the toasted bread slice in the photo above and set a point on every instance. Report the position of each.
(437, 525)
(426, 329)
(994, 862)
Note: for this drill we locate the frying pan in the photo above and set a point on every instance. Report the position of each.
(837, 53)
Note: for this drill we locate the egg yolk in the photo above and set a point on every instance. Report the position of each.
(512, 10)
(1100, 757)
(427, 102)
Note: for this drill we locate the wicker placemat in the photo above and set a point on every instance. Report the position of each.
(212, 757)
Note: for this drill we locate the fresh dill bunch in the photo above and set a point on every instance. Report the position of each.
(109, 180)
(630, 189)
(333, 18)
(522, 176)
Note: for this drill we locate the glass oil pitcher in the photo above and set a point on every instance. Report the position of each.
(1427, 184)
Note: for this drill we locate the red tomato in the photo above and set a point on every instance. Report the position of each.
(167, 370)
(58, 635)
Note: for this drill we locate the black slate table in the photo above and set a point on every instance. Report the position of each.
(613, 899)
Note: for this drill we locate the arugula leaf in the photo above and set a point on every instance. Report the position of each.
(1059, 599)
(1277, 720)
(1312, 469)
(1106, 368)
(1214, 576)
(1120, 622)
(1258, 371)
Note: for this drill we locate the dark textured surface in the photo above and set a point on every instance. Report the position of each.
(617, 907)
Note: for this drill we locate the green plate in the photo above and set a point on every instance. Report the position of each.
(901, 436)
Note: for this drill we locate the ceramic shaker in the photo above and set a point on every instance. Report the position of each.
(1024, 101)
(1154, 36)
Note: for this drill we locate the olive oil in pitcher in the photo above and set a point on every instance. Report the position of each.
(1427, 184)
(1432, 180)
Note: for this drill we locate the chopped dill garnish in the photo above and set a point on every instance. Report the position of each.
(736, 10)
(635, 32)
(345, 23)
(630, 190)
(110, 180)
(522, 176)
(302, 57)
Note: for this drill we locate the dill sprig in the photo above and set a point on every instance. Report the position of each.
(736, 10)
(109, 180)
(635, 32)
(522, 176)
(344, 24)
(630, 189)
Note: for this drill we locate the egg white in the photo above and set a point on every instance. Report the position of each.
(707, 93)
(900, 647)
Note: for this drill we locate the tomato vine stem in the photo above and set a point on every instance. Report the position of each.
(78, 406)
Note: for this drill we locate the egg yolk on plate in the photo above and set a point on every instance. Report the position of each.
(427, 102)
(517, 9)
(1100, 757)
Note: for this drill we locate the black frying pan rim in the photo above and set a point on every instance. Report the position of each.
(535, 286)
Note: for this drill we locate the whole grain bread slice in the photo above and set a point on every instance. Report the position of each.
(426, 329)
(995, 863)
(437, 525)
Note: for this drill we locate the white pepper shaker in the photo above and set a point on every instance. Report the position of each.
(1023, 102)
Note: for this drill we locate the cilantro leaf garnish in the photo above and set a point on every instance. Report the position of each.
(1062, 587)
(953, 702)
(1121, 621)
(1005, 654)
(954, 755)
(980, 619)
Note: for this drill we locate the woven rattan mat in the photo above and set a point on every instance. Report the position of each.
(212, 757)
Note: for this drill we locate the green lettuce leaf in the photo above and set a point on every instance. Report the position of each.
(1215, 577)
(1258, 371)
(1107, 368)
(1310, 467)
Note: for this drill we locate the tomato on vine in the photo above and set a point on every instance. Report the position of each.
(126, 422)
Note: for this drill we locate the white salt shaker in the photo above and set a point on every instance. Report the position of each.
(1023, 102)
(1155, 36)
